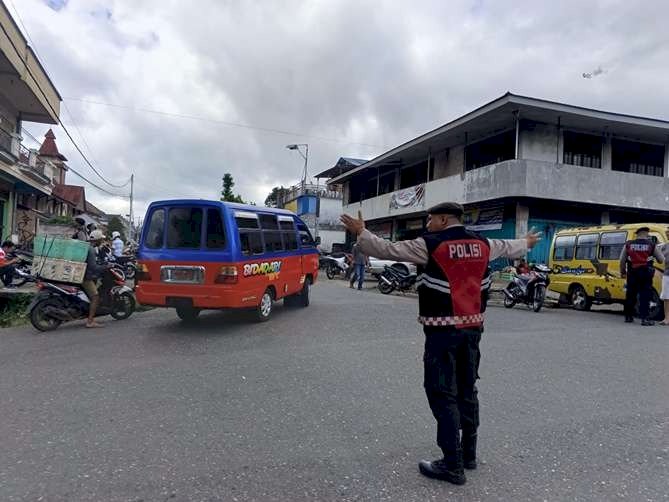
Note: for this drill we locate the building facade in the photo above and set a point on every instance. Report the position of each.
(519, 163)
(26, 95)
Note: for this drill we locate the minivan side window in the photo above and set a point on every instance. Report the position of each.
(215, 229)
(270, 232)
(250, 236)
(564, 247)
(611, 245)
(586, 246)
(184, 228)
(306, 241)
(156, 233)
(287, 225)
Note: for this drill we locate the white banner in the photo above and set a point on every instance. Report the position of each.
(409, 197)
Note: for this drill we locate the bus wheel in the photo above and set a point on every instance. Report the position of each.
(264, 309)
(579, 298)
(187, 314)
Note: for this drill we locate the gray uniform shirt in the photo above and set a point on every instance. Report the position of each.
(665, 253)
(415, 251)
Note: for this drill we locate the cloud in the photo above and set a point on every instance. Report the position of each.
(359, 72)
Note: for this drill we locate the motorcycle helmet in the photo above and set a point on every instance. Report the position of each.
(96, 235)
(116, 234)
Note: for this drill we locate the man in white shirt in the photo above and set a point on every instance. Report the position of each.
(117, 244)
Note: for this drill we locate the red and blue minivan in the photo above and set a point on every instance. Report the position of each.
(196, 255)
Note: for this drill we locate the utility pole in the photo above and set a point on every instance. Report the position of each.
(132, 194)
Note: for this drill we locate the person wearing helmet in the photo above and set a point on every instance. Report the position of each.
(80, 233)
(117, 244)
(93, 272)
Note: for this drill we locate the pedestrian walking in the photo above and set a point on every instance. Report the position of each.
(636, 265)
(359, 262)
(664, 295)
(453, 284)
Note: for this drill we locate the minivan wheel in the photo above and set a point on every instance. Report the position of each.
(304, 298)
(264, 309)
(656, 307)
(187, 314)
(579, 298)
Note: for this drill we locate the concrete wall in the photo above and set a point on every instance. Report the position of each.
(456, 161)
(538, 142)
(528, 178)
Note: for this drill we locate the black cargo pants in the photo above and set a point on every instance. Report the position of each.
(451, 363)
(639, 283)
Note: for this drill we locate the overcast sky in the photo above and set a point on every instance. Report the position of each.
(351, 78)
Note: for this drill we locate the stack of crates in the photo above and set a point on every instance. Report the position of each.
(61, 260)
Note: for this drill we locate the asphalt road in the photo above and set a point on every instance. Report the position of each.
(326, 403)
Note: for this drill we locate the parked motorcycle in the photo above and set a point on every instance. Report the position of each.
(58, 303)
(127, 263)
(395, 278)
(337, 265)
(529, 288)
(22, 268)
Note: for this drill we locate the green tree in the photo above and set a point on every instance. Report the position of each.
(116, 225)
(275, 196)
(227, 195)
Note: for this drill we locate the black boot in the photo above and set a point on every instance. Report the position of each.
(449, 468)
(469, 450)
(647, 322)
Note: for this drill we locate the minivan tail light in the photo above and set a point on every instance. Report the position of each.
(142, 273)
(227, 275)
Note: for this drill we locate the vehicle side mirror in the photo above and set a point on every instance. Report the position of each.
(318, 240)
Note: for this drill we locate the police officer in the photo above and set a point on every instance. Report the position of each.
(636, 263)
(452, 286)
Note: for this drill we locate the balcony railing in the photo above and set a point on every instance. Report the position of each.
(308, 189)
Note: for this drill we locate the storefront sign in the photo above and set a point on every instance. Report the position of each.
(383, 230)
(484, 219)
(409, 197)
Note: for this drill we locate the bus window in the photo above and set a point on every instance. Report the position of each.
(268, 222)
(564, 247)
(290, 240)
(246, 220)
(306, 241)
(273, 241)
(184, 229)
(215, 230)
(611, 245)
(251, 242)
(156, 232)
(586, 246)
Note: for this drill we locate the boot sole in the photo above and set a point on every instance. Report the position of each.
(442, 477)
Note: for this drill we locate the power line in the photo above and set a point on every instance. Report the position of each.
(46, 99)
(222, 122)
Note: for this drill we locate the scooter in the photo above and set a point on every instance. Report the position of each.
(529, 289)
(127, 263)
(335, 266)
(392, 278)
(58, 303)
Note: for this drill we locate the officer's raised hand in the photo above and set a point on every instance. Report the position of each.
(355, 226)
(532, 239)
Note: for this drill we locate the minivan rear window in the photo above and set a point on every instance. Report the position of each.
(184, 228)
(156, 231)
(215, 229)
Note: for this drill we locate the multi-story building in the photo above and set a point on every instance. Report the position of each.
(517, 163)
(26, 95)
(320, 204)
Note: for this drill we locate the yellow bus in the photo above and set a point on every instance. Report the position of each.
(585, 265)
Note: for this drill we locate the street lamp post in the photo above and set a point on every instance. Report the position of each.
(305, 156)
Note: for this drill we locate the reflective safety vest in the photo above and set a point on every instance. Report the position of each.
(453, 286)
(639, 252)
